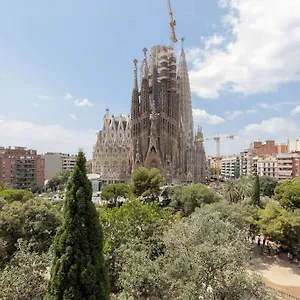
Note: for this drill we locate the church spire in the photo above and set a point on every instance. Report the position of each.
(145, 65)
(135, 82)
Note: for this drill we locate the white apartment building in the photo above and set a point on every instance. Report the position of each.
(57, 162)
(230, 167)
(267, 165)
(293, 145)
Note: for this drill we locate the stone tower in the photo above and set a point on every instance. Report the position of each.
(186, 121)
(161, 117)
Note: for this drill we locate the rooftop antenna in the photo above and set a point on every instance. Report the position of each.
(172, 25)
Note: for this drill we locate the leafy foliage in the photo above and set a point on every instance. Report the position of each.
(282, 225)
(146, 182)
(255, 197)
(230, 191)
(188, 197)
(244, 187)
(113, 191)
(132, 222)
(59, 181)
(11, 195)
(267, 185)
(204, 255)
(35, 221)
(25, 276)
(78, 270)
(288, 194)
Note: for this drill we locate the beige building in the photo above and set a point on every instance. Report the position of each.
(111, 155)
(267, 165)
(288, 165)
(57, 162)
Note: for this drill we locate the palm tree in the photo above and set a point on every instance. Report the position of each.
(244, 187)
(230, 191)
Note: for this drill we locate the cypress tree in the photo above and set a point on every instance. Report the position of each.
(78, 270)
(256, 192)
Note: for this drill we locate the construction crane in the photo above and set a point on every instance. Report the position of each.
(218, 139)
(172, 24)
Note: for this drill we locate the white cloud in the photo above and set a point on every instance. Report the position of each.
(264, 105)
(213, 41)
(276, 128)
(44, 97)
(73, 117)
(277, 106)
(45, 137)
(231, 115)
(68, 96)
(201, 115)
(84, 102)
(296, 110)
(251, 111)
(260, 52)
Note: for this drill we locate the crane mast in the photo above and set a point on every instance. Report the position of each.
(218, 139)
(172, 24)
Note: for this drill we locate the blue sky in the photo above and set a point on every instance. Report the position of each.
(62, 63)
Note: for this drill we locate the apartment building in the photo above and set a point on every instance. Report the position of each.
(230, 167)
(288, 165)
(249, 159)
(21, 168)
(57, 162)
(269, 147)
(293, 145)
(68, 162)
(266, 165)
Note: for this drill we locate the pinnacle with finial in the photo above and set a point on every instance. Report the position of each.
(145, 51)
(144, 65)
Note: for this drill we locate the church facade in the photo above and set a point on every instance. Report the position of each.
(162, 128)
(111, 155)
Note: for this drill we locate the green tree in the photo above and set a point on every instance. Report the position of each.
(59, 181)
(204, 256)
(25, 276)
(133, 222)
(11, 195)
(288, 194)
(267, 185)
(34, 221)
(187, 198)
(244, 186)
(230, 191)
(113, 191)
(281, 225)
(146, 182)
(78, 270)
(255, 197)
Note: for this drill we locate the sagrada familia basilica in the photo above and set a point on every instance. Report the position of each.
(159, 133)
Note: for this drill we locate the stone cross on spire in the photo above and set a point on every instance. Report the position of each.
(145, 65)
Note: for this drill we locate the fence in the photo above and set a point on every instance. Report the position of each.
(284, 295)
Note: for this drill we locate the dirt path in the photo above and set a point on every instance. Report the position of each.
(278, 273)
